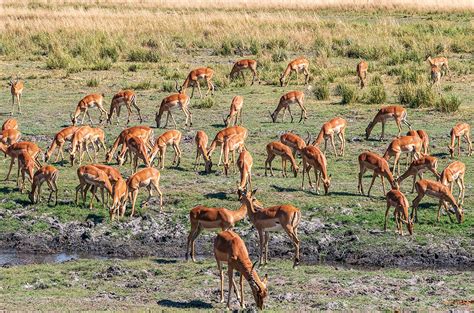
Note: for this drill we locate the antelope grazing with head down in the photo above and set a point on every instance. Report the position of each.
(119, 199)
(231, 144)
(149, 178)
(405, 144)
(398, 113)
(336, 126)
(286, 101)
(202, 73)
(424, 138)
(201, 141)
(361, 69)
(235, 111)
(172, 138)
(242, 65)
(86, 103)
(314, 158)
(295, 142)
(417, 167)
(177, 100)
(47, 174)
(127, 98)
(245, 163)
(144, 132)
(138, 150)
(299, 65)
(26, 166)
(398, 200)
(222, 135)
(458, 131)
(454, 172)
(16, 89)
(277, 148)
(371, 161)
(66, 134)
(91, 176)
(14, 150)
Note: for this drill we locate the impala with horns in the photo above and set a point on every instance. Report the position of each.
(424, 138)
(148, 178)
(168, 138)
(91, 176)
(47, 174)
(244, 164)
(64, 135)
(417, 167)
(177, 100)
(202, 73)
(14, 150)
(201, 141)
(243, 65)
(314, 158)
(295, 142)
(286, 101)
(16, 89)
(371, 161)
(277, 148)
(144, 132)
(398, 200)
(458, 131)
(335, 126)
(9, 136)
(222, 135)
(398, 113)
(361, 69)
(235, 111)
(86, 103)
(10, 123)
(405, 144)
(299, 65)
(127, 98)
(455, 172)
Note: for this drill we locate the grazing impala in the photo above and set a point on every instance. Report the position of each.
(336, 126)
(137, 147)
(119, 199)
(202, 73)
(231, 144)
(91, 176)
(144, 132)
(172, 138)
(295, 142)
(16, 89)
(244, 164)
(417, 167)
(454, 172)
(435, 75)
(297, 65)
(86, 103)
(202, 217)
(361, 69)
(127, 97)
(10, 123)
(149, 178)
(66, 134)
(405, 144)
(424, 138)
(398, 200)
(26, 166)
(439, 191)
(47, 174)
(177, 100)
(235, 111)
(14, 150)
(9, 136)
(97, 137)
(222, 135)
(80, 141)
(285, 101)
(230, 248)
(242, 65)
(314, 158)
(277, 148)
(201, 140)
(458, 131)
(371, 161)
(394, 111)
(440, 62)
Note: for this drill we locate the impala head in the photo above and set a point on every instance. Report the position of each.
(248, 197)
(368, 130)
(178, 88)
(259, 287)
(327, 184)
(108, 157)
(158, 119)
(32, 197)
(273, 116)
(208, 166)
(409, 223)
(451, 151)
(459, 213)
(296, 170)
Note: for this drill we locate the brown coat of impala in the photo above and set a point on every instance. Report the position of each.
(361, 69)
(244, 164)
(435, 77)
(438, 191)
(235, 111)
(119, 199)
(458, 131)
(424, 138)
(440, 62)
(371, 161)
(10, 123)
(202, 73)
(86, 103)
(286, 101)
(398, 200)
(138, 149)
(455, 172)
(127, 98)
(231, 144)
(14, 150)
(201, 141)
(222, 135)
(91, 176)
(314, 158)
(335, 126)
(417, 167)
(148, 178)
(47, 174)
(64, 135)
(144, 132)
(9, 136)
(404, 144)
(398, 113)
(295, 142)
(80, 142)
(298, 65)
(26, 166)
(176, 100)
(168, 138)
(277, 148)
(242, 65)
(16, 89)
(230, 248)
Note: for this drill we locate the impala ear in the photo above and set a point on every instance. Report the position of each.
(330, 175)
(254, 191)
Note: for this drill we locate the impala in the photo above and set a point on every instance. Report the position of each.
(86, 103)
(222, 135)
(172, 138)
(314, 158)
(137, 147)
(405, 144)
(97, 137)
(202, 73)
(458, 131)
(119, 199)
(285, 101)
(295, 142)
(439, 191)
(66, 134)
(10, 123)
(244, 164)
(240, 66)
(231, 144)
(149, 178)
(47, 174)
(9, 136)
(394, 111)
(299, 65)
(230, 248)
(235, 111)
(80, 141)
(417, 167)
(127, 97)
(424, 138)
(454, 172)
(398, 200)
(26, 166)
(16, 89)
(201, 140)
(277, 148)
(112, 173)
(90, 175)
(371, 161)
(144, 132)
(440, 62)
(336, 126)
(177, 100)
(361, 69)
(14, 150)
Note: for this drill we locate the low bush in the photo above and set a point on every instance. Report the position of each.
(168, 86)
(416, 96)
(376, 95)
(93, 82)
(321, 91)
(143, 55)
(206, 103)
(449, 104)
(347, 92)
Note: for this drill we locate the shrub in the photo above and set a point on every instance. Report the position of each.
(410, 76)
(448, 105)
(133, 67)
(102, 65)
(58, 60)
(321, 91)
(168, 86)
(109, 52)
(448, 88)
(224, 49)
(93, 82)
(142, 85)
(279, 56)
(376, 95)
(206, 103)
(143, 55)
(376, 80)
(348, 93)
(421, 96)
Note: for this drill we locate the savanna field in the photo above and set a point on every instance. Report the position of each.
(66, 50)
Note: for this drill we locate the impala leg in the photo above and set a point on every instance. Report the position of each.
(382, 137)
(134, 103)
(162, 157)
(459, 146)
(230, 276)
(413, 186)
(383, 185)
(342, 139)
(416, 202)
(360, 186)
(289, 111)
(371, 183)
(291, 232)
(462, 189)
(174, 121)
(156, 185)
(10, 168)
(332, 143)
(134, 195)
(241, 283)
(261, 237)
(386, 215)
(13, 105)
(283, 166)
(221, 276)
(167, 118)
(267, 239)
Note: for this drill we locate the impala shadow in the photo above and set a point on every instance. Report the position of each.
(217, 195)
(284, 189)
(192, 304)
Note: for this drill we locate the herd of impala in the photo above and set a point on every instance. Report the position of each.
(137, 144)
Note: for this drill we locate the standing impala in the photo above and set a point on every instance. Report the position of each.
(144, 132)
(9, 136)
(222, 135)
(336, 126)
(16, 89)
(361, 69)
(295, 142)
(442, 193)
(235, 111)
(26, 166)
(371, 161)
(230, 248)
(149, 178)
(119, 199)
(80, 141)
(398, 113)
(435, 76)
(405, 144)
(177, 100)
(244, 164)
(86, 103)
(454, 172)
(14, 150)
(10, 123)
(231, 144)
(127, 98)
(424, 138)
(201, 140)
(240, 66)
(172, 138)
(299, 65)
(314, 158)
(398, 200)
(285, 101)
(90, 175)
(458, 131)
(417, 167)
(440, 62)
(137, 147)
(202, 73)
(48, 174)
(277, 148)
(66, 134)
